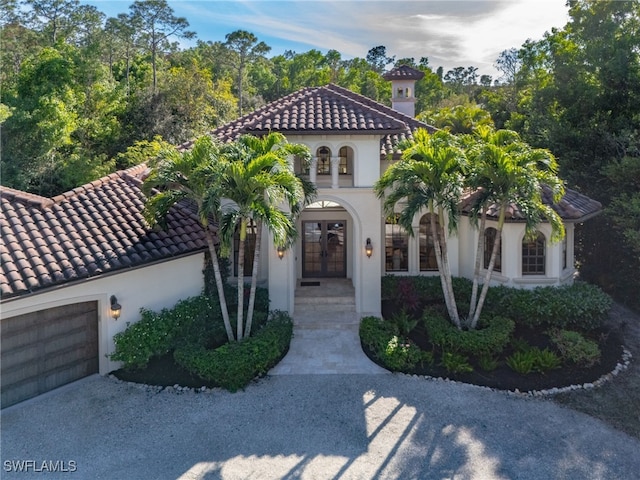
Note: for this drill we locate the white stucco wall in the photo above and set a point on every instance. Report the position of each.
(153, 287)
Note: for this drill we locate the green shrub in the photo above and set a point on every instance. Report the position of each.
(522, 361)
(375, 333)
(489, 340)
(192, 320)
(547, 360)
(575, 348)
(234, 365)
(488, 363)
(455, 363)
(404, 323)
(401, 355)
(393, 351)
(533, 359)
(581, 305)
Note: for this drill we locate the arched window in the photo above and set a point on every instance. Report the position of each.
(490, 235)
(346, 160)
(428, 261)
(396, 242)
(249, 249)
(324, 161)
(533, 255)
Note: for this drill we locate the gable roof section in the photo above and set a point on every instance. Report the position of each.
(573, 207)
(323, 111)
(93, 229)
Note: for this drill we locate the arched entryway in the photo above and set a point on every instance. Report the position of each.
(326, 241)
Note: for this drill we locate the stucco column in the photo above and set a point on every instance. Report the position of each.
(313, 170)
(335, 175)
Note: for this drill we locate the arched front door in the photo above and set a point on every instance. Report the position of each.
(324, 252)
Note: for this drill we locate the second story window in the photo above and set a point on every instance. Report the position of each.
(346, 160)
(324, 161)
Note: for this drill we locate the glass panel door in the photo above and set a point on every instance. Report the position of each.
(324, 252)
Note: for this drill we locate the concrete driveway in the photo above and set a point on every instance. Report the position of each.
(308, 427)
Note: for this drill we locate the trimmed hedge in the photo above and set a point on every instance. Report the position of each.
(581, 305)
(395, 354)
(488, 339)
(234, 365)
(157, 333)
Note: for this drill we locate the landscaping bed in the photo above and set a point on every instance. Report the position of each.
(527, 340)
(188, 346)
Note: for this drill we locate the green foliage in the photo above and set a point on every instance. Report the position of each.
(191, 321)
(393, 351)
(490, 339)
(375, 333)
(533, 359)
(234, 365)
(575, 348)
(581, 305)
(522, 362)
(488, 363)
(402, 355)
(404, 322)
(456, 363)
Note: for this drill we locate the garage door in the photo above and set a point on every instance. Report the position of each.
(44, 350)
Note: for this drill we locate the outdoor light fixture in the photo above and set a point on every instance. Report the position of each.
(280, 251)
(115, 307)
(368, 248)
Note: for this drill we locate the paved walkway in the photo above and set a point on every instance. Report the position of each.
(325, 333)
(326, 343)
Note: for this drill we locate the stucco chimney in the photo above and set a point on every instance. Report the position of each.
(403, 80)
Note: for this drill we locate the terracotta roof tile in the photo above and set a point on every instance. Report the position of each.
(92, 229)
(403, 72)
(573, 207)
(320, 111)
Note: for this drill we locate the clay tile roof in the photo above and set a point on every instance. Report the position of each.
(94, 229)
(324, 110)
(573, 207)
(403, 72)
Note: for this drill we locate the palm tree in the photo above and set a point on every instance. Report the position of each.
(506, 171)
(429, 176)
(262, 189)
(191, 175)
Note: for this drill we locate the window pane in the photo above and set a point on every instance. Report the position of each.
(427, 249)
(324, 161)
(533, 256)
(489, 241)
(396, 246)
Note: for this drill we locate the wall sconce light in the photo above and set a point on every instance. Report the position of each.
(116, 308)
(368, 248)
(280, 251)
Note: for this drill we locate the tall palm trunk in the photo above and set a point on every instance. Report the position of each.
(492, 261)
(442, 269)
(476, 270)
(219, 283)
(243, 237)
(254, 280)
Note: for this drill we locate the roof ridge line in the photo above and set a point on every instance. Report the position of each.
(26, 197)
(383, 109)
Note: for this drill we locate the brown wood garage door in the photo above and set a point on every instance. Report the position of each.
(46, 349)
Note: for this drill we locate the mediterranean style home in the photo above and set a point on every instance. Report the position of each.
(77, 268)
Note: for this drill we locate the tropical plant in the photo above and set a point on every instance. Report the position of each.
(261, 188)
(505, 171)
(429, 176)
(192, 175)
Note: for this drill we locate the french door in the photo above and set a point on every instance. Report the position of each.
(324, 251)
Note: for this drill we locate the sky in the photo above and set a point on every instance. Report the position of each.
(450, 33)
